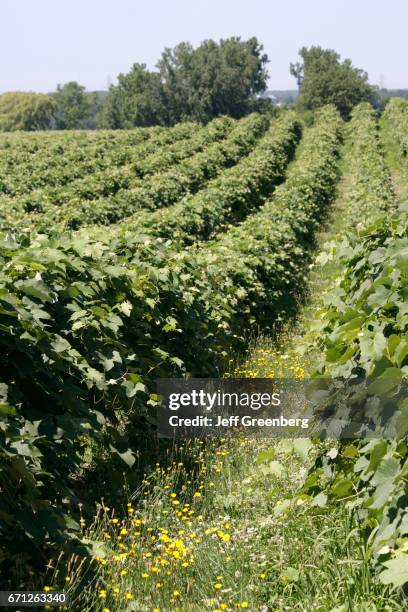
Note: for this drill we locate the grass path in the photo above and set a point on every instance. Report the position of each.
(223, 527)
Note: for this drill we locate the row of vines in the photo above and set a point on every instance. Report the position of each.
(362, 331)
(396, 113)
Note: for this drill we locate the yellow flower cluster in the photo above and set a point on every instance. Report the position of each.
(268, 363)
(160, 552)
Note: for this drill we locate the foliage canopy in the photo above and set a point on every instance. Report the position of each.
(73, 106)
(323, 79)
(25, 111)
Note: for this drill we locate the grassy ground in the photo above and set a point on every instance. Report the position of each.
(223, 526)
(232, 539)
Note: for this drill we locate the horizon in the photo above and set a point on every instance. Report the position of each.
(98, 41)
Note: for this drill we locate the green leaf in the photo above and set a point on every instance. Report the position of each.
(302, 447)
(350, 451)
(396, 572)
(7, 410)
(383, 480)
(401, 422)
(381, 495)
(126, 308)
(390, 379)
(320, 500)
(377, 454)
(401, 352)
(126, 456)
(388, 469)
(342, 487)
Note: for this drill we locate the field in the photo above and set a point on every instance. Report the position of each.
(244, 248)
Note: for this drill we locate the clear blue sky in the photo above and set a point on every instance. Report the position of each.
(45, 42)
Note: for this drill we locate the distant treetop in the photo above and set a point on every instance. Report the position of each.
(74, 107)
(323, 79)
(21, 110)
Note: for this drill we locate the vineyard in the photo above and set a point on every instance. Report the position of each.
(245, 248)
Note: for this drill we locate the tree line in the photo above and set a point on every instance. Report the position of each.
(228, 77)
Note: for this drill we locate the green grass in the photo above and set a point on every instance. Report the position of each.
(248, 542)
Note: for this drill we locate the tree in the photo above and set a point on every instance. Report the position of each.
(73, 106)
(25, 111)
(137, 100)
(214, 79)
(323, 79)
(223, 78)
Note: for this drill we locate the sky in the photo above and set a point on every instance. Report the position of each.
(46, 42)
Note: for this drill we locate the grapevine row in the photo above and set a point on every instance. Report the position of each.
(362, 332)
(396, 113)
(371, 187)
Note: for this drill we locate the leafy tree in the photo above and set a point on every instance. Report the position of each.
(323, 79)
(137, 100)
(25, 111)
(214, 79)
(73, 106)
(199, 84)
